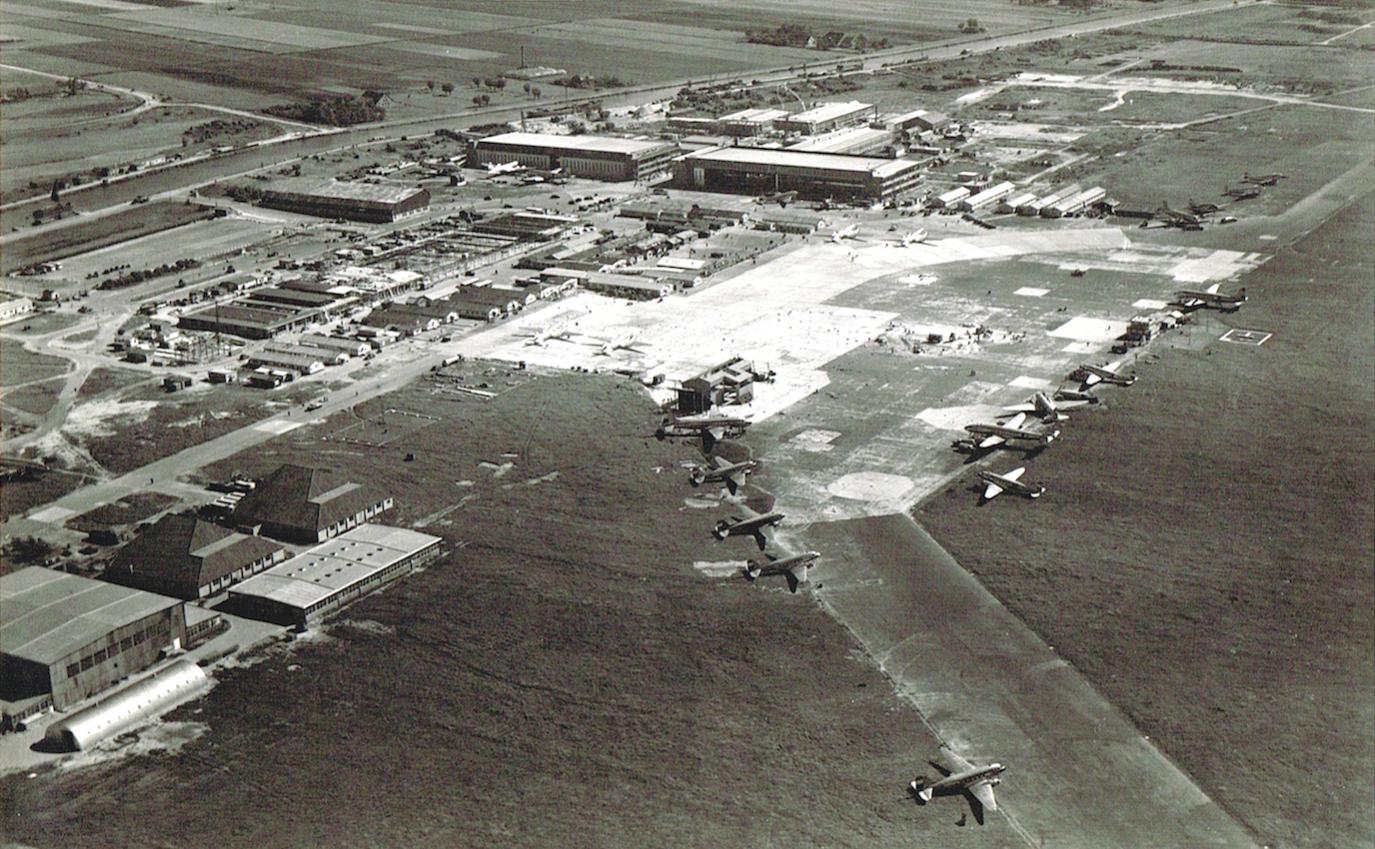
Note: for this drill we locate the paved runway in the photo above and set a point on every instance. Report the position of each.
(1079, 773)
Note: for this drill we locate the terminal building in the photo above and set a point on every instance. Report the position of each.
(608, 158)
(190, 558)
(319, 581)
(754, 170)
(825, 117)
(376, 203)
(308, 505)
(64, 638)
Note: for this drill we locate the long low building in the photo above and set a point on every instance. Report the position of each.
(257, 321)
(64, 637)
(1074, 203)
(825, 117)
(985, 197)
(755, 170)
(858, 140)
(629, 286)
(328, 576)
(307, 504)
(371, 202)
(609, 158)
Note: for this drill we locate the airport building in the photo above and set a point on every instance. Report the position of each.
(319, 581)
(1073, 203)
(1013, 202)
(600, 157)
(190, 558)
(754, 170)
(947, 200)
(825, 117)
(304, 504)
(64, 638)
(985, 197)
(259, 320)
(856, 140)
(372, 202)
(1036, 206)
(749, 122)
(918, 120)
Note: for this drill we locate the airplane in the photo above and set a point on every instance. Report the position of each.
(1066, 393)
(549, 334)
(495, 168)
(709, 427)
(781, 198)
(1106, 374)
(1046, 409)
(1263, 179)
(1242, 193)
(754, 526)
(961, 777)
(845, 233)
(733, 475)
(997, 434)
(1203, 208)
(1211, 297)
(916, 237)
(1175, 218)
(620, 342)
(793, 568)
(534, 175)
(1010, 482)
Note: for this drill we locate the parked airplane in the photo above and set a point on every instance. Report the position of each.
(1241, 193)
(780, 198)
(1010, 482)
(793, 568)
(495, 168)
(1047, 410)
(711, 428)
(549, 334)
(1262, 179)
(620, 342)
(1068, 393)
(1106, 374)
(845, 233)
(1175, 218)
(1203, 207)
(754, 526)
(959, 776)
(996, 434)
(1211, 297)
(916, 237)
(733, 475)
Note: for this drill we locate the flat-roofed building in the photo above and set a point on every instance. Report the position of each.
(328, 303)
(857, 140)
(825, 117)
(1074, 203)
(985, 197)
(749, 122)
(755, 170)
(186, 557)
(250, 319)
(952, 197)
(1013, 202)
(328, 576)
(920, 120)
(351, 347)
(1036, 206)
(64, 637)
(293, 361)
(599, 157)
(371, 202)
(305, 504)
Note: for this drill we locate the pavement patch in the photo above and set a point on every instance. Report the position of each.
(1240, 336)
(815, 439)
(277, 427)
(1031, 292)
(1149, 304)
(53, 515)
(1025, 382)
(870, 486)
(1084, 329)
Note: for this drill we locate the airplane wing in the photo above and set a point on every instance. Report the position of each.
(1016, 421)
(734, 481)
(1020, 408)
(1092, 379)
(991, 441)
(1070, 405)
(983, 791)
(1113, 366)
(1212, 290)
(958, 763)
(992, 491)
(1015, 474)
(759, 538)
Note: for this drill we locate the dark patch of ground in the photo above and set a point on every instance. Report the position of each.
(103, 380)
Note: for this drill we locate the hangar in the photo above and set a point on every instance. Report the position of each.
(187, 557)
(128, 707)
(328, 576)
(756, 170)
(598, 157)
(825, 117)
(372, 202)
(64, 637)
(305, 504)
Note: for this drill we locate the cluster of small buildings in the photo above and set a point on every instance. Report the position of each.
(1003, 197)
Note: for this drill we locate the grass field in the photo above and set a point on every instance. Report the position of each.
(562, 677)
(128, 511)
(104, 380)
(132, 223)
(20, 365)
(1207, 540)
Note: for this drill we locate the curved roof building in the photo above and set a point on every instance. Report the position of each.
(135, 704)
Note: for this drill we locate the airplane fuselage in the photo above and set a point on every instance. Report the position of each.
(1109, 376)
(764, 568)
(747, 527)
(1010, 432)
(1011, 485)
(720, 474)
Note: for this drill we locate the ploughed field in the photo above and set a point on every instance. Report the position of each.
(1204, 551)
(563, 676)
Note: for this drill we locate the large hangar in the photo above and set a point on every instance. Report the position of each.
(754, 170)
(608, 158)
(328, 576)
(64, 637)
(372, 202)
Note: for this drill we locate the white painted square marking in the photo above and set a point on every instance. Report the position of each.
(1238, 336)
(1082, 348)
(816, 440)
(53, 515)
(277, 427)
(1031, 292)
(1025, 382)
(1084, 329)
(1148, 304)
(1267, 238)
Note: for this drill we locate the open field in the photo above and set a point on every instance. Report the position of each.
(1209, 548)
(103, 380)
(99, 232)
(585, 667)
(20, 365)
(128, 511)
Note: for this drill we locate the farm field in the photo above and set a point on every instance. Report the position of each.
(1213, 577)
(564, 625)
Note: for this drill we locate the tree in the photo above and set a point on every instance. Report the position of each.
(429, 84)
(477, 82)
(448, 88)
(527, 88)
(535, 92)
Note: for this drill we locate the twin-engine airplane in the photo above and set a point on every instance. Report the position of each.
(1048, 410)
(1107, 374)
(997, 434)
(1010, 482)
(733, 475)
(737, 526)
(1191, 299)
(959, 776)
(711, 429)
(793, 568)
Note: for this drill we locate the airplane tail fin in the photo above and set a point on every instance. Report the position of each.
(722, 529)
(796, 575)
(708, 440)
(919, 790)
(751, 570)
(697, 477)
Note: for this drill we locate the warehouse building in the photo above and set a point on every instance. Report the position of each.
(612, 285)
(1073, 203)
(856, 140)
(749, 122)
(947, 200)
(918, 120)
(377, 203)
(984, 198)
(298, 363)
(128, 708)
(755, 170)
(350, 347)
(599, 157)
(1036, 206)
(319, 581)
(257, 321)
(825, 117)
(304, 504)
(1013, 202)
(185, 557)
(64, 638)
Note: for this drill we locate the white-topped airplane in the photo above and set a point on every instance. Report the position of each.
(733, 475)
(997, 434)
(621, 342)
(1011, 482)
(959, 776)
(711, 428)
(845, 233)
(1069, 393)
(754, 526)
(1047, 410)
(793, 568)
(549, 334)
(1107, 374)
(495, 168)
(1191, 299)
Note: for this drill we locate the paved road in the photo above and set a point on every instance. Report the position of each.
(1079, 773)
(282, 150)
